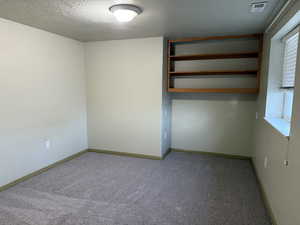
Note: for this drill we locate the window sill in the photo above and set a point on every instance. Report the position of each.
(280, 124)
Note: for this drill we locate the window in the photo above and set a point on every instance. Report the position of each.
(282, 74)
(289, 59)
(289, 72)
(287, 105)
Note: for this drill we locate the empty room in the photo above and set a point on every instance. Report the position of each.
(149, 112)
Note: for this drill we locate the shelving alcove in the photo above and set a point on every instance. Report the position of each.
(173, 57)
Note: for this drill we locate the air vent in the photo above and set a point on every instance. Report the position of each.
(258, 7)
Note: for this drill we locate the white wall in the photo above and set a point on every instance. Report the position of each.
(281, 183)
(125, 95)
(42, 96)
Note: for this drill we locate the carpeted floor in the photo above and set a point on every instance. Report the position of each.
(99, 189)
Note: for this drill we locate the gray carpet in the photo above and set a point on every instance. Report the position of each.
(99, 189)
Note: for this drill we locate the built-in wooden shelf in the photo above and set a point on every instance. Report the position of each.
(217, 72)
(183, 40)
(214, 90)
(214, 56)
(173, 74)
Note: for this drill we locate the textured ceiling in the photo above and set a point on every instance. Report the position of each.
(90, 20)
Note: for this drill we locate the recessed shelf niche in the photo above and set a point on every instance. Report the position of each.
(220, 64)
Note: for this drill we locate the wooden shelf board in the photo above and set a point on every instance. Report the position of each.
(214, 56)
(256, 36)
(218, 72)
(214, 90)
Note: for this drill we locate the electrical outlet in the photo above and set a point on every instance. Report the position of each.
(256, 115)
(266, 162)
(286, 163)
(48, 144)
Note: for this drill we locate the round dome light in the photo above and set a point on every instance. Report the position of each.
(125, 12)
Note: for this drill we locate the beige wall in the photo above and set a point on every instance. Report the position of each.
(125, 104)
(213, 123)
(42, 96)
(280, 183)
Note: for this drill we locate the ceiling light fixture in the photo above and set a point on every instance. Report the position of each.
(125, 12)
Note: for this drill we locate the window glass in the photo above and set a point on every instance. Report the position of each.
(287, 105)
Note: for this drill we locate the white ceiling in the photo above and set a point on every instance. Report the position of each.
(90, 20)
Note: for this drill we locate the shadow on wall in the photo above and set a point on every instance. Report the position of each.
(211, 122)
